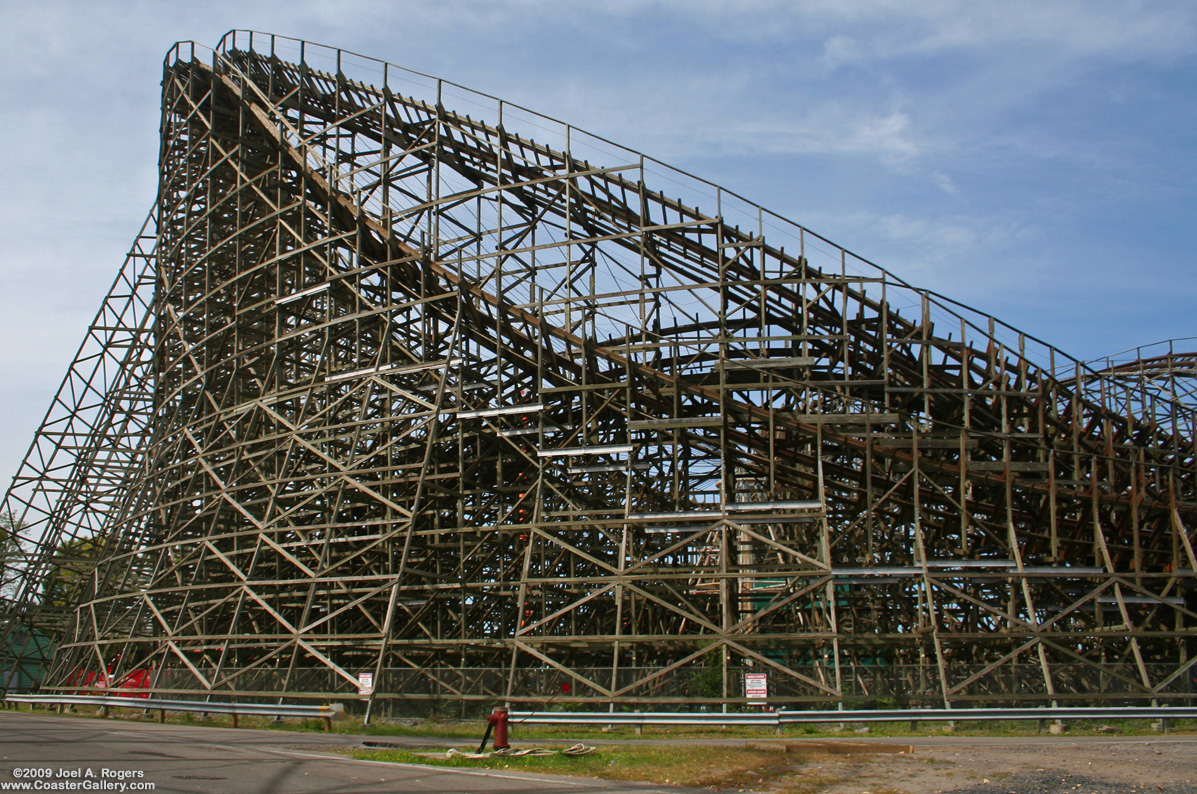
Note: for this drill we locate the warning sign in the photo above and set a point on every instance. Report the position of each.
(756, 685)
(365, 683)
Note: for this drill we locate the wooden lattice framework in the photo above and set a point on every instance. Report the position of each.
(475, 407)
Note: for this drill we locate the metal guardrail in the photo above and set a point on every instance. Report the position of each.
(778, 718)
(1059, 713)
(646, 718)
(132, 701)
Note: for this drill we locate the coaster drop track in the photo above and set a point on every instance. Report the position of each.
(385, 388)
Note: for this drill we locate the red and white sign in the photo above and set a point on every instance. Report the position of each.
(756, 685)
(365, 683)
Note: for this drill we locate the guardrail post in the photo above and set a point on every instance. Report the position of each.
(161, 715)
(235, 722)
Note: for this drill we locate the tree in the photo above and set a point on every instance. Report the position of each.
(10, 553)
(69, 567)
(710, 675)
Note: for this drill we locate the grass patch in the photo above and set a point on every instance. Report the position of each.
(719, 767)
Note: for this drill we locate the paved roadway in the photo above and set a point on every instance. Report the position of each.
(183, 758)
(192, 758)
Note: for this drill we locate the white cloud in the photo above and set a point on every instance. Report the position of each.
(944, 183)
(966, 257)
(1136, 29)
(839, 50)
(887, 136)
(831, 128)
(684, 116)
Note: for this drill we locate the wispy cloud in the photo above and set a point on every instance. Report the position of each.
(993, 151)
(945, 183)
(858, 29)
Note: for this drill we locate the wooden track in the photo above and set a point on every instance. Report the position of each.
(386, 388)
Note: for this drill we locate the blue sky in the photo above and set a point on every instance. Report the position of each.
(1032, 159)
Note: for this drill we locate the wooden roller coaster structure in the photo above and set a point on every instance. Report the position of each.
(468, 404)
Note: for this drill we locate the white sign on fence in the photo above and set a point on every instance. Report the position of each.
(756, 685)
(365, 683)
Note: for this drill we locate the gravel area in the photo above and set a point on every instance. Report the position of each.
(961, 765)
(1048, 782)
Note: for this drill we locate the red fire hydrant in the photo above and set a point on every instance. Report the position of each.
(498, 722)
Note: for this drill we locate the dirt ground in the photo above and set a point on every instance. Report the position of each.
(1014, 766)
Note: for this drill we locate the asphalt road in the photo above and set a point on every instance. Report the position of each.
(51, 753)
(56, 753)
